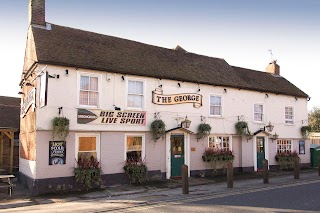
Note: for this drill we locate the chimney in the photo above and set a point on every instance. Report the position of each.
(37, 12)
(273, 68)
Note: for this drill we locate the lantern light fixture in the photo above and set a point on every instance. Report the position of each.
(186, 123)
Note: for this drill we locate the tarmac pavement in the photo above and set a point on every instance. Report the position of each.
(163, 189)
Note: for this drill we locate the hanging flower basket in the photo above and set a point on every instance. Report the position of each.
(242, 128)
(158, 129)
(203, 131)
(305, 131)
(60, 128)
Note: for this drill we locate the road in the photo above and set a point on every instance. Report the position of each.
(292, 197)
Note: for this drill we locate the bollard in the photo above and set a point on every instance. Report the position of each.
(229, 175)
(185, 184)
(265, 171)
(296, 167)
(319, 165)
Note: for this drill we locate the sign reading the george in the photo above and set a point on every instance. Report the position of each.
(57, 152)
(159, 98)
(111, 117)
(27, 102)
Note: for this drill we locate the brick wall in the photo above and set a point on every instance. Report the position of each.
(37, 12)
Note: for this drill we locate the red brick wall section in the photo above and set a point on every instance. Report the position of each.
(28, 132)
(37, 12)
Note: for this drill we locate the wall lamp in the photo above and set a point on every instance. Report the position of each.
(225, 90)
(186, 123)
(274, 137)
(67, 72)
(269, 127)
(179, 85)
(309, 98)
(122, 77)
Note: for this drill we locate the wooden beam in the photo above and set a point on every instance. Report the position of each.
(9, 134)
(1, 149)
(11, 152)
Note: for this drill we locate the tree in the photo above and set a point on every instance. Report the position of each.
(314, 119)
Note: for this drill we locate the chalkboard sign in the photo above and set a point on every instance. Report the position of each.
(57, 152)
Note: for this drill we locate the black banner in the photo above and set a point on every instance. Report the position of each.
(57, 152)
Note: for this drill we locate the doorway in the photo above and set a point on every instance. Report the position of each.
(260, 152)
(177, 154)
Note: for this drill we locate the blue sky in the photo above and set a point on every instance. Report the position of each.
(241, 32)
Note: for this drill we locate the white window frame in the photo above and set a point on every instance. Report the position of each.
(263, 113)
(78, 135)
(144, 93)
(284, 140)
(143, 148)
(289, 121)
(99, 76)
(221, 106)
(216, 136)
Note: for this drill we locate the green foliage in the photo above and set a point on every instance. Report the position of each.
(242, 128)
(60, 127)
(314, 119)
(158, 129)
(136, 170)
(217, 157)
(286, 159)
(305, 130)
(88, 171)
(203, 131)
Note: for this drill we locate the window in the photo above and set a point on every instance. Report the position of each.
(43, 89)
(215, 105)
(135, 147)
(89, 90)
(88, 145)
(220, 142)
(289, 115)
(135, 97)
(258, 112)
(284, 146)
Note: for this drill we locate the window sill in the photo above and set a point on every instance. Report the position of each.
(134, 109)
(86, 107)
(288, 124)
(216, 116)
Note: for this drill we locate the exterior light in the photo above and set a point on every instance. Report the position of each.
(186, 123)
(274, 137)
(269, 127)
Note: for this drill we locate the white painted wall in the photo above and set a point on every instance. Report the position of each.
(62, 92)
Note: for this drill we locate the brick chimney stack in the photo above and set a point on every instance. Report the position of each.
(37, 12)
(273, 68)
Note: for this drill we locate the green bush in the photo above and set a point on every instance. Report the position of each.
(137, 170)
(88, 171)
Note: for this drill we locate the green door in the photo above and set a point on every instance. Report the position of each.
(177, 154)
(260, 152)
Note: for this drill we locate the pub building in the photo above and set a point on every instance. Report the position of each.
(111, 90)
